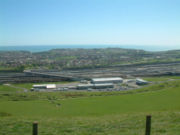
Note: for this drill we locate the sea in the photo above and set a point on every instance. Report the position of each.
(41, 48)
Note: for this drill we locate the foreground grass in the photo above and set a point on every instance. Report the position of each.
(163, 123)
(93, 113)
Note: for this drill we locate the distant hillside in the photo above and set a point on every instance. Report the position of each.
(82, 58)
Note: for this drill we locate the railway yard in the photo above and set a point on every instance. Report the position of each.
(124, 71)
(81, 78)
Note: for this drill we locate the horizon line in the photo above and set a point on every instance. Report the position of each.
(147, 45)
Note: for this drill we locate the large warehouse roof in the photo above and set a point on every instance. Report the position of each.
(107, 79)
(103, 84)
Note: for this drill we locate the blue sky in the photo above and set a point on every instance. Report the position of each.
(127, 22)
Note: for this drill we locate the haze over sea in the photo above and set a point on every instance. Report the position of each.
(40, 48)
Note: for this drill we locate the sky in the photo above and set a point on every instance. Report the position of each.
(119, 22)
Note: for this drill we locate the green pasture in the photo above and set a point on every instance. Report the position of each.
(162, 100)
(163, 123)
(92, 113)
(5, 88)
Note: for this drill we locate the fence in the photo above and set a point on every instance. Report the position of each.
(147, 131)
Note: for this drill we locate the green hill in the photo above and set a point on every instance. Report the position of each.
(93, 113)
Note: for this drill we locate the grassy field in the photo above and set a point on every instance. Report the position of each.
(92, 113)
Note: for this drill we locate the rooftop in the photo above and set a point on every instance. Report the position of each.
(45, 85)
(107, 79)
(103, 84)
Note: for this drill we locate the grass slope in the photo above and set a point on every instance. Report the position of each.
(93, 113)
(163, 100)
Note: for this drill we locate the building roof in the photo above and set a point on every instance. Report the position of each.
(91, 85)
(39, 85)
(107, 79)
(141, 80)
(104, 84)
(51, 86)
(85, 85)
(48, 86)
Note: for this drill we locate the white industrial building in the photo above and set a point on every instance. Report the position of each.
(95, 86)
(106, 80)
(44, 87)
(103, 85)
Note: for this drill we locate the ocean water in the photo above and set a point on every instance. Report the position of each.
(40, 48)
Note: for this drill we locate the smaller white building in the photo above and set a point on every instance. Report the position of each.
(44, 86)
(141, 81)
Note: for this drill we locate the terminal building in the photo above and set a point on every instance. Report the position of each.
(95, 86)
(103, 86)
(106, 80)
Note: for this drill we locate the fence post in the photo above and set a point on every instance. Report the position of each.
(35, 128)
(148, 125)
